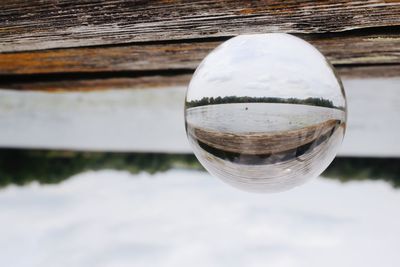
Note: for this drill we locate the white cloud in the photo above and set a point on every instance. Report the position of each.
(187, 218)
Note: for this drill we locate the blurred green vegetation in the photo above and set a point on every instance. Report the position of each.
(50, 167)
(361, 169)
(21, 167)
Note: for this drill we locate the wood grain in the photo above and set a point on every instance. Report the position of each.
(82, 84)
(101, 45)
(37, 25)
(341, 49)
(159, 81)
(369, 71)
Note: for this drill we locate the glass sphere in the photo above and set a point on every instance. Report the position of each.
(265, 112)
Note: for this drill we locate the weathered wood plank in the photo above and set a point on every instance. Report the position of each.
(36, 25)
(160, 81)
(82, 84)
(372, 71)
(100, 59)
(340, 49)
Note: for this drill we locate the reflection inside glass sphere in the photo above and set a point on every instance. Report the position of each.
(265, 112)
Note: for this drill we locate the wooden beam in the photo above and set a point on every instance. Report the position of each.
(82, 84)
(94, 83)
(339, 48)
(372, 71)
(38, 25)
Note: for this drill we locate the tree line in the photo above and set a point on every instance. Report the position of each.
(312, 101)
(21, 167)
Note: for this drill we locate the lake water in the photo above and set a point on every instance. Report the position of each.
(259, 117)
(151, 120)
(188, 218)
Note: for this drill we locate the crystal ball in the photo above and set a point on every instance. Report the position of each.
(265, 112)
